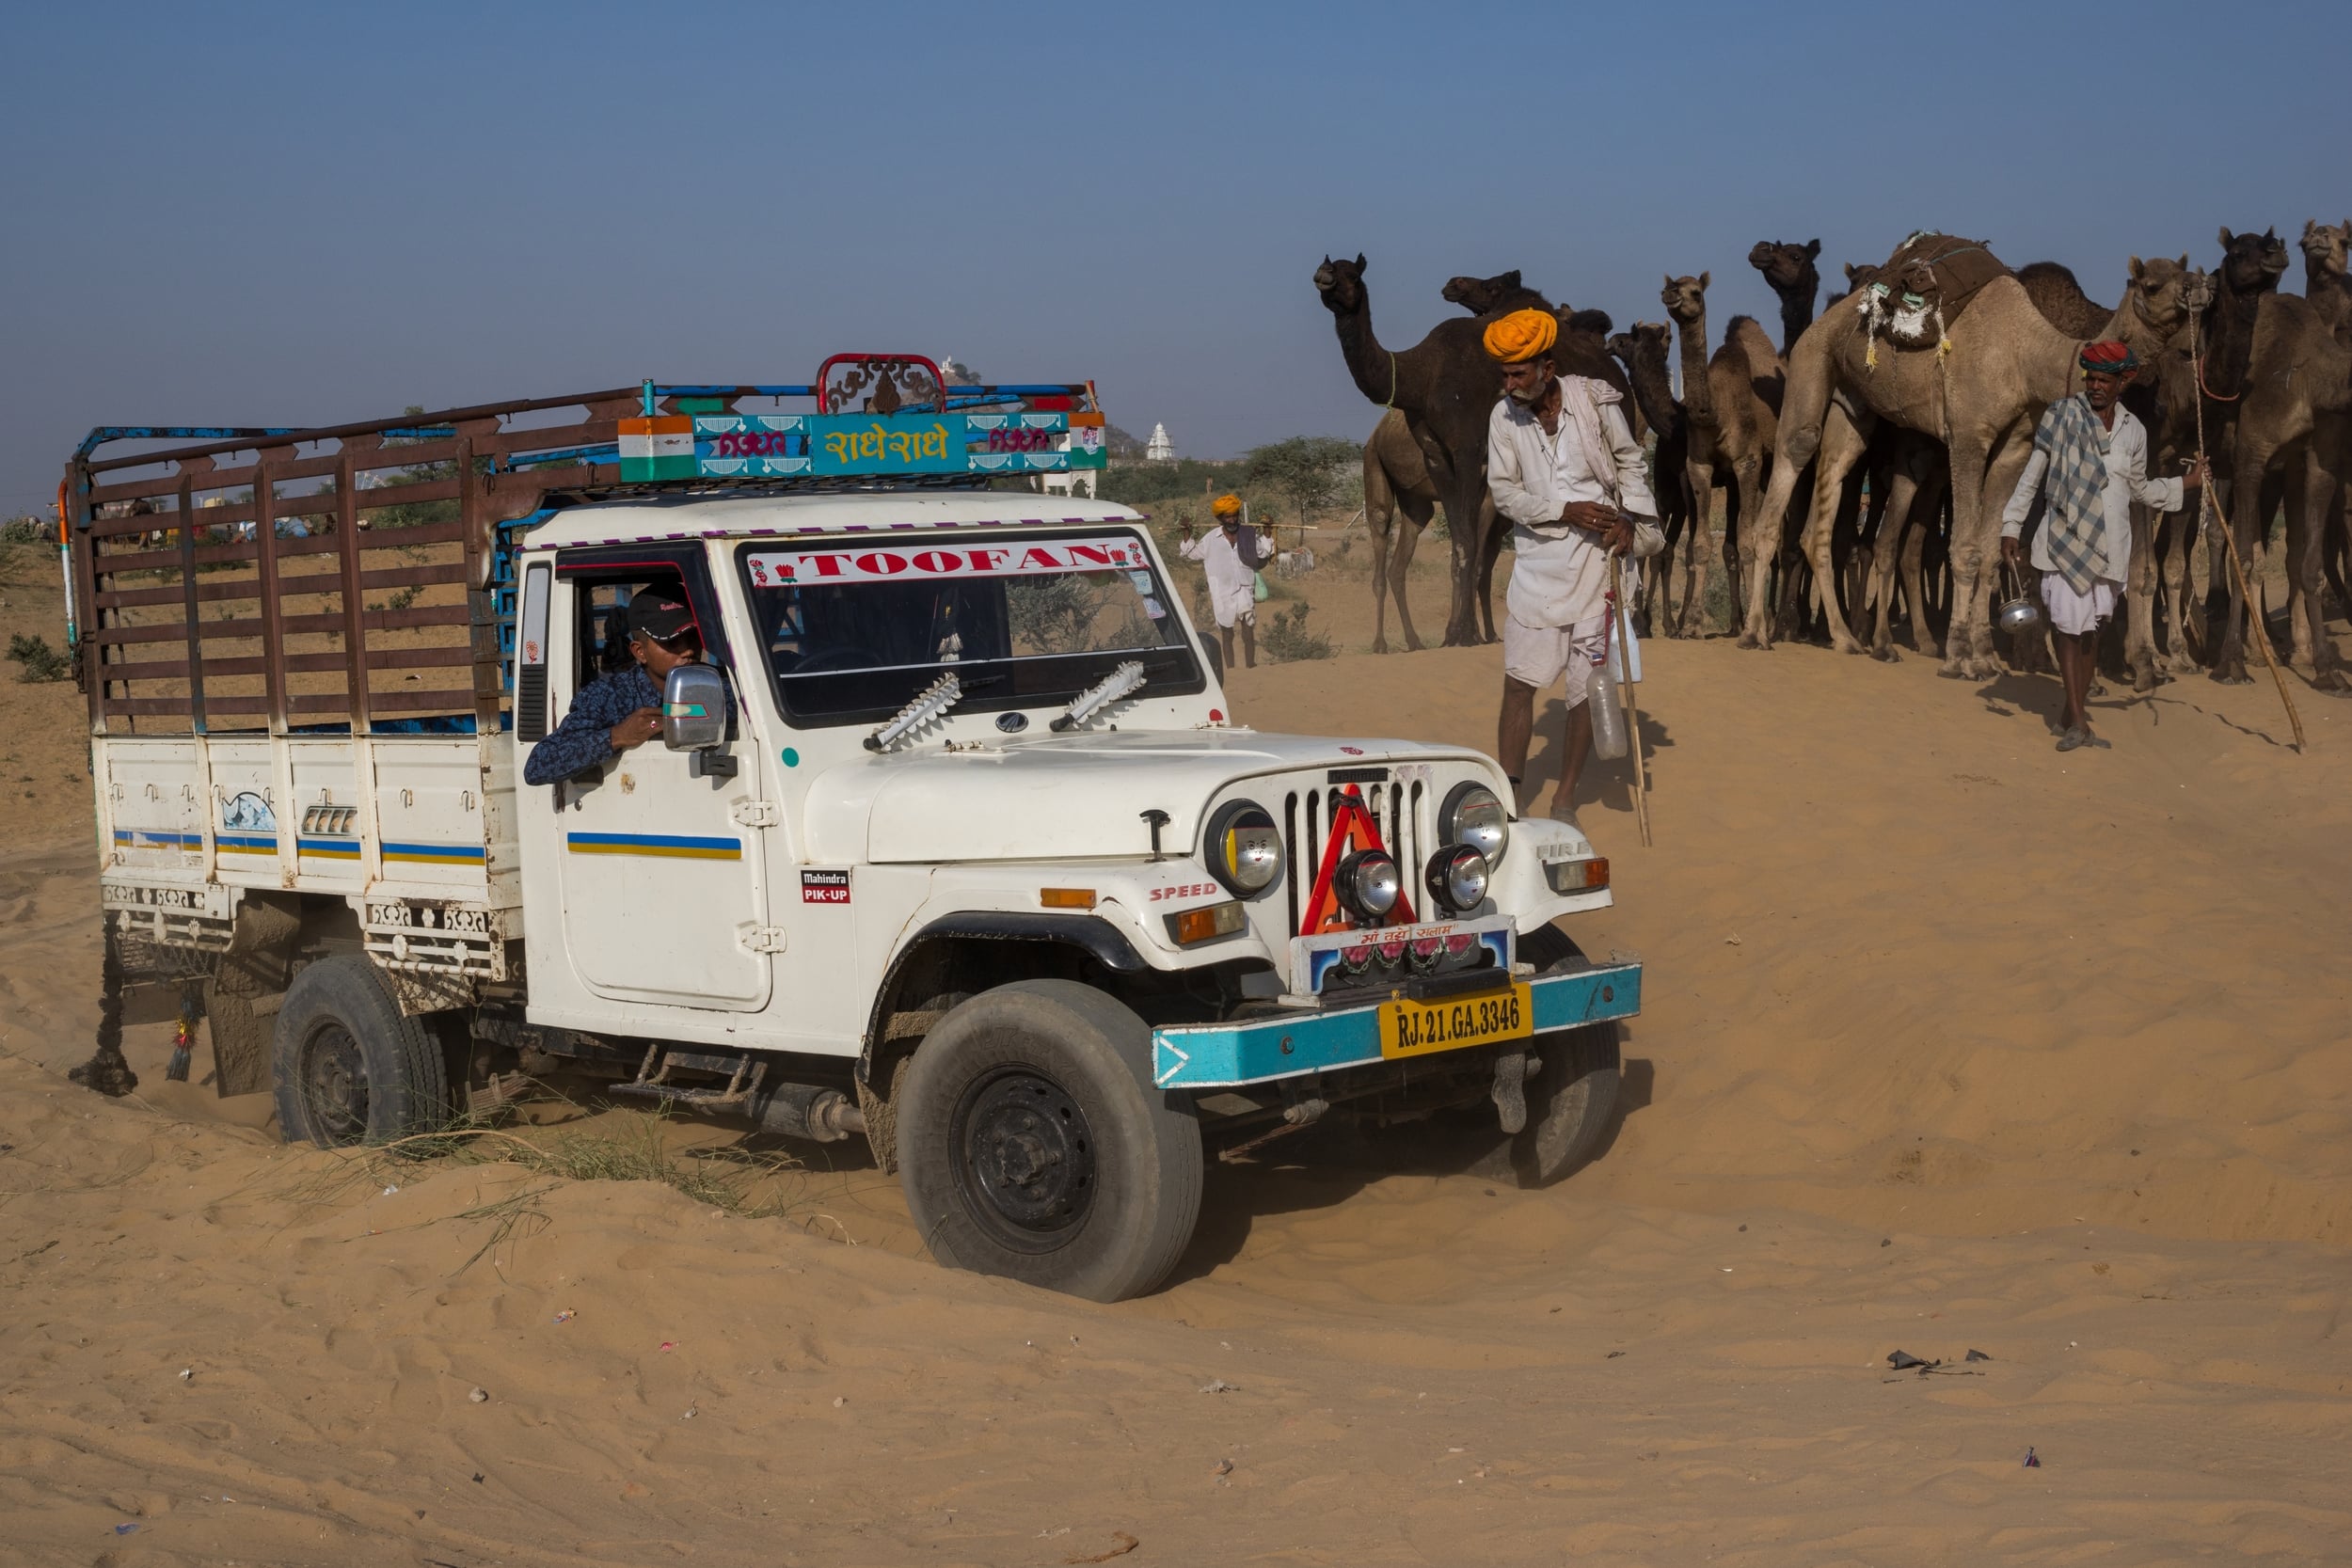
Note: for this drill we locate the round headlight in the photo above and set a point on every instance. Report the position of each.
(1457, 878)
(1243, 848)
(1475, 817)
(1369, 883)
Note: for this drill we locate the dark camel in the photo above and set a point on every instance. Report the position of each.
(2293, 426)
(1445, 386)
(1644, 353)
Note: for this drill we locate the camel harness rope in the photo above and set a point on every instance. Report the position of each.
(2259, 630)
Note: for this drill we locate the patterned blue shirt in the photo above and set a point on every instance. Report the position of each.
(584, 739)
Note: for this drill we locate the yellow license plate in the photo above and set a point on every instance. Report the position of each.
(1421, 1028)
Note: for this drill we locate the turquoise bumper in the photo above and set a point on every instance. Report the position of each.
(1223, 1055)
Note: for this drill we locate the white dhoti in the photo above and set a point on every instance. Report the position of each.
(1538, 655)
(1235, 604)
(2077, 613)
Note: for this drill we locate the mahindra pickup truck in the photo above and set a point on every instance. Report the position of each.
(949, 840)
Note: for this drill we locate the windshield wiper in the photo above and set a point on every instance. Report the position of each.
(1122, 679)
(932, 703)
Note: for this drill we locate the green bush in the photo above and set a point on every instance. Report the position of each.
(1288, 641)
(27, 530)
(39, 661)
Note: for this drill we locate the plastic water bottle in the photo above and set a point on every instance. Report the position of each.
(1601, 694)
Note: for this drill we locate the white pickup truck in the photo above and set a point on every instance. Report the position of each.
(949, 841)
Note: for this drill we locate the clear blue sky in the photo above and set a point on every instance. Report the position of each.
(303, 214)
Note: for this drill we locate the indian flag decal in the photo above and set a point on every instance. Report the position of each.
(657, 448)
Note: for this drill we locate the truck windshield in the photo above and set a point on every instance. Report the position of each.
(853, 629)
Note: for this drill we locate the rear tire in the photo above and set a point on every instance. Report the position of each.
(1032, 1144)
(347, 1065)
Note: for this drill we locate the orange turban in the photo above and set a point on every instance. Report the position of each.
(1521, 336)
(1226, 506)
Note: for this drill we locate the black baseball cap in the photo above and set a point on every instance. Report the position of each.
(657, 613)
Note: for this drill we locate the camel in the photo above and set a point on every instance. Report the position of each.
(1732, 404)
(2007, 364)
(2328, 284)
(1789, 272)
(2295, 420)
(1643, 350)
(1446, 389)
(1397, 479)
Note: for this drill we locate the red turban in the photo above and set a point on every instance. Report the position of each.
(2109, 357)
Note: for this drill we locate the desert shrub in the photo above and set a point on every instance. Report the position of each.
(1288, 641)
(27, 530)
(38, 661)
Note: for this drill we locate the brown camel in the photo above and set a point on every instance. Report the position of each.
(2294, 422)
(2007, 363)
(1732, 402)
(1446, 389)
(1643, 352)
(1397, 478)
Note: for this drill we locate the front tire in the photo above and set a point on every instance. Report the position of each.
(1032, 1144)
(1570, 1099)
(347, 1065)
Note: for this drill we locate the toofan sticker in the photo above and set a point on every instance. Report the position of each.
(902, 562)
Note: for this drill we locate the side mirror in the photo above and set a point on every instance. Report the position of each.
(693, 708)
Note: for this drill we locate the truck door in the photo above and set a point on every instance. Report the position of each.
(663, 894)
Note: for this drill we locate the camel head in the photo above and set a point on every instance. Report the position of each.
(1647, 344)
(1342, 285)
(1479, 295)
(1786, 266)
(2253, 264)
(2324, 250)
(2160, 298)
(1685, 298)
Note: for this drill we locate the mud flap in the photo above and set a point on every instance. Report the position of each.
(1510, 1090)
(241, 1000)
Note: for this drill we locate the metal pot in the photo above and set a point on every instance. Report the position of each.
(2019, 617)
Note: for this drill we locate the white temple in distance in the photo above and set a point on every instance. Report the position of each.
(1159, 449)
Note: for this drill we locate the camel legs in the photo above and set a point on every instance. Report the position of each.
(1693, 621)
(1925, 523)
(1842, 447)
(2139, 630)
(2308, 517)
(1761, 535)
(1466, 514)
(1418, 512)
(2176, 547)
(1893, 546)
(1983, 475)
(1379, 518)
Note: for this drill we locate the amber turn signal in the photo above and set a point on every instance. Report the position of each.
(1584, 876)
(1066, 898)
(1206, 923)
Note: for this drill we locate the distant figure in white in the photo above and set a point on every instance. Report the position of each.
(1231, 557)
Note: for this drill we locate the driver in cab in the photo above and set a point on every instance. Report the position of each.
(622, 709)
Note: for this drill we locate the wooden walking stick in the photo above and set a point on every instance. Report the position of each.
(1624, 690)
(2258, 628)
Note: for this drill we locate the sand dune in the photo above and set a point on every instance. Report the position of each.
(1953, 1043)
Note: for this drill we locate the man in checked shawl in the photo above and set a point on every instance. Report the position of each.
(2090, 462)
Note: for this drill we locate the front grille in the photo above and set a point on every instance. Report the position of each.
(1396, 810)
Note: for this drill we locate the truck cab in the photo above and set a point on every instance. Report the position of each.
(950, 839)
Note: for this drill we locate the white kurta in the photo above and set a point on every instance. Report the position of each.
(2125, 449)
(1560, 576)
(1233, 581)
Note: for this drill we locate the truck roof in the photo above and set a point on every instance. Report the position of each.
(639, 520)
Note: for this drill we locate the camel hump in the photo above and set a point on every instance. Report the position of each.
(1746, 336)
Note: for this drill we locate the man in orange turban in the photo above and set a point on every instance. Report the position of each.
(1231, 557)
(1564, 467)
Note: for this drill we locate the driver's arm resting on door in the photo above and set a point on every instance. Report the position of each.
(622, 709)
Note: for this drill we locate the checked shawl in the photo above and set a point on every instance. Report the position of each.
(2074, 524)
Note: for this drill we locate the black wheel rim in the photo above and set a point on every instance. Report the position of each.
(335, 1086)
(1024, 1159)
